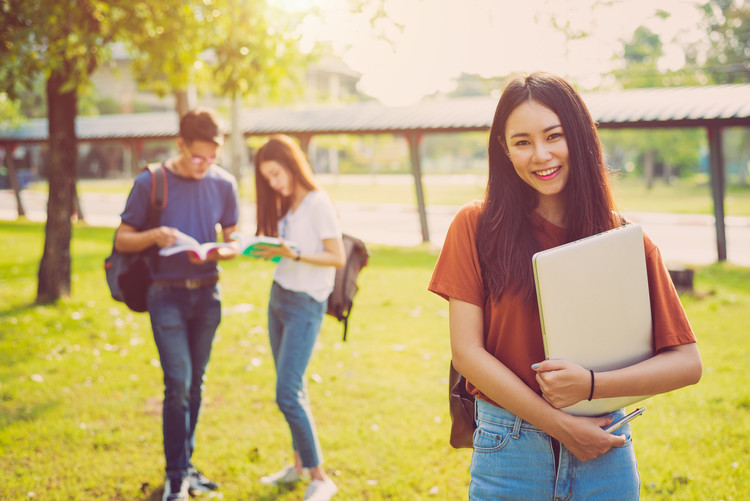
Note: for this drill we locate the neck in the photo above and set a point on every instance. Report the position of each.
(176, 165)
(552, 209)
(299, 194)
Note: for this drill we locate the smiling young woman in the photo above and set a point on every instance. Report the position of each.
(547, 185)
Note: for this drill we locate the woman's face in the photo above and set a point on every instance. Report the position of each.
(537, 148)
(278, 177)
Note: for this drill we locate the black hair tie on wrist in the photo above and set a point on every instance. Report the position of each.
(591, 393)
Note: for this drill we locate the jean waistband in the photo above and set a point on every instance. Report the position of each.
(493, 414)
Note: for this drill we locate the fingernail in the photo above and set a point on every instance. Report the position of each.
(535, 366)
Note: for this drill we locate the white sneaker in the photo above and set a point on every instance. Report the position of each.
(320, 490)
(175, 490)
(286, 475)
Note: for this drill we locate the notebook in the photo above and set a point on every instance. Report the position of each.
(594, 306)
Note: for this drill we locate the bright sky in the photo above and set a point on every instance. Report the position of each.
(440, 39)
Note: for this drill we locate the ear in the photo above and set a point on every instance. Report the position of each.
(502, 145)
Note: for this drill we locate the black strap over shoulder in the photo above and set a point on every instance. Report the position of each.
(157, 203)
(158, 199)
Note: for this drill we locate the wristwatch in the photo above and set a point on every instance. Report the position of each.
(298, 256)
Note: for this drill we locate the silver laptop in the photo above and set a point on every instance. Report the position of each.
(594, 306)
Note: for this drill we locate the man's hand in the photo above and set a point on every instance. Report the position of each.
(164, 236)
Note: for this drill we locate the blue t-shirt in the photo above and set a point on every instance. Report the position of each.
(194, 206)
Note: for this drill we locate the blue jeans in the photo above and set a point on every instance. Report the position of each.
(294, 320)
(184, 322)
(514, 460)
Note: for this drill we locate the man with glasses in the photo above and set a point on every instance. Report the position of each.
(184, 300)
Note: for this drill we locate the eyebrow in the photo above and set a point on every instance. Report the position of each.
(524, 134)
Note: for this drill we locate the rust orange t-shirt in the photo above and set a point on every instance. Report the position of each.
(512, 330)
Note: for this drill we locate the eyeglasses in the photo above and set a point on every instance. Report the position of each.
(197, 159)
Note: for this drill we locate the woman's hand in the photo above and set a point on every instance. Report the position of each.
(271, 251)
(585, 438)
(563, 383)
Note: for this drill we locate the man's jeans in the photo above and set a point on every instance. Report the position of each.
(184, 322)
(294, 320)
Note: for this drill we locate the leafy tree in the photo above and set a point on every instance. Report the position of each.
(64, 42)
(724, 58)
(677, 150)
(166, 40)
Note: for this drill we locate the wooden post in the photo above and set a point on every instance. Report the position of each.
(415, 140)
(716, 157)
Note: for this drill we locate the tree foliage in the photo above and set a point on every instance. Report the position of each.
(64, 42)
(724, 55)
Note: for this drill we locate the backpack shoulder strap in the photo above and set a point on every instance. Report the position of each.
(158, 199)
(158, 185)
(157, 202)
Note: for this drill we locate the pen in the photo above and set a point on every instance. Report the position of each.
(624, 420)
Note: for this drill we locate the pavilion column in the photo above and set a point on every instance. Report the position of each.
(136, 149)
(716, 157)
(415, 140)
(304, 142)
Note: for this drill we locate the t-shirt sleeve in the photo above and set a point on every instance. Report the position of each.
(457, 272)
(136, 207)
(325, 218)
(669, 320)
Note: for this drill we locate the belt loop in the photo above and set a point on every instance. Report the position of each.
(516, 427)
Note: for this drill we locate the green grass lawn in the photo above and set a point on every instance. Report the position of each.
(81, 389)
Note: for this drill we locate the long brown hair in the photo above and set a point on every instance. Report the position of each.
(505, 240)
(271, 206)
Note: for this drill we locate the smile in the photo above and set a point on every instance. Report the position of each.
(546, 172)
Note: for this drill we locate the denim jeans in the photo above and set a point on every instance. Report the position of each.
(294, 320)
(184, 322)
(514, 460)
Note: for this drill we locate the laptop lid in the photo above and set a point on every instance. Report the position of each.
(594, 306)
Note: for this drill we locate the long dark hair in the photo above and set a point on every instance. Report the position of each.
(270, 206)
(505, 240)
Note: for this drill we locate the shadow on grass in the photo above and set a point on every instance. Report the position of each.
(17, 310)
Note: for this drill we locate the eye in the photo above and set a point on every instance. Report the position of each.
(521, 142)
(555, 135)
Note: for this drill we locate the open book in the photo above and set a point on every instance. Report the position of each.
(250, 245)
(186, 243)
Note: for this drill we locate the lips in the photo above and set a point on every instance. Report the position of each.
(547, 172)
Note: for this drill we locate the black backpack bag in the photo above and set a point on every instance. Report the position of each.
(128, 274)
(345, 285)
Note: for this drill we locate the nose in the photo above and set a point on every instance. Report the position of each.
(541, 152)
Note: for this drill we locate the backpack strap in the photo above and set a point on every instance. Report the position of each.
(157, 203)
(158, 200)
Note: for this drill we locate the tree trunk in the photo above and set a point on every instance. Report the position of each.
(54, 270)
(13, 177)
(181, 102)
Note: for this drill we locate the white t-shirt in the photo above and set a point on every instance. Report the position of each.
(314, 220)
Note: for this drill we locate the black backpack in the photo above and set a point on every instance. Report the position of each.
(128, 274)
(345, 285)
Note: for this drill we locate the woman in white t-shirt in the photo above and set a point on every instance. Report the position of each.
(291, 206)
